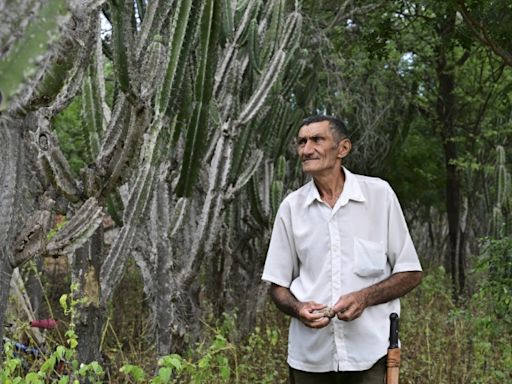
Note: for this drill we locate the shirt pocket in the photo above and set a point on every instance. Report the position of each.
(370, 258)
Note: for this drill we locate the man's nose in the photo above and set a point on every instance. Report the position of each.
(308, 147)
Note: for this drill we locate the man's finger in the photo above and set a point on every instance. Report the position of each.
(320, 323)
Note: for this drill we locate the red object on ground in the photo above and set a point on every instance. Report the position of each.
(44, 323)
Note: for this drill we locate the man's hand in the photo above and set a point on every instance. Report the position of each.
(349, 307)
(311, 314)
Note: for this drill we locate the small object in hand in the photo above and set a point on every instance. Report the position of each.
(327, 312)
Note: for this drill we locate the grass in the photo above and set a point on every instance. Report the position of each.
(442, 342)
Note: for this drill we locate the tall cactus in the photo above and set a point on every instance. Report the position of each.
(52, 50)
(500, 226)
(230, 159)
(193, 84)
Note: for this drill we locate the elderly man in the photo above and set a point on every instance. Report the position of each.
(339, 258)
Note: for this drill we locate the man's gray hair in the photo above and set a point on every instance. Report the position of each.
(338, 127)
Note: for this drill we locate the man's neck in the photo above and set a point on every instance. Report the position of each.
(330, 186)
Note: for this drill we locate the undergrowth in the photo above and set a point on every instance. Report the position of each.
(443, 341)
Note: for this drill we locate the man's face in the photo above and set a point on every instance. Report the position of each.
(318, 150)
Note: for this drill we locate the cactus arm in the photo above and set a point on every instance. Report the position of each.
(52, 162)
(25, 56)
(254, 162)
(239, 152)
(202, 236)
(77, 230)
(215, 225)
(255, 203)
(31, 240)
(151, 69)
(157, 13)
(197, 133)
(227, 18)
(113, 266)
(254, 51)
(266, 82)
(122, 40)
(147, 17)
(10, 179)
(270, 40)
(229, 53)
(121, 165)
(276, 194)
(209, 36)
(63, 75)
(179, 211)
(178, 46)
(92, 119)
(93, 99)
(115, 134)
(292, 31)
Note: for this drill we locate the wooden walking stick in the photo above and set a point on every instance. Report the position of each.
(393, 358)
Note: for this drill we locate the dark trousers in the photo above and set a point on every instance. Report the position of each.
(374, 375)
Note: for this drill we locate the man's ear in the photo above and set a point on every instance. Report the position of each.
(344, 148)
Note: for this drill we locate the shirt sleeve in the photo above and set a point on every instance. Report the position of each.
(281, 265)
(401, 251)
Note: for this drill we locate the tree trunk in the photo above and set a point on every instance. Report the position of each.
(445, 109)
(91, 314)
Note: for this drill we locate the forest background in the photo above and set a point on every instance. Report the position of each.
(146, 146)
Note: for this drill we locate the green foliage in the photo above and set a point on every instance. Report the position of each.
(416, 171)
(495, 18)
(60, 366)
(72, 141)
(494, 270)
(220, 360)
(442, 341)
(446, 342)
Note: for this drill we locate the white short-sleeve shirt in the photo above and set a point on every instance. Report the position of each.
(321, 253)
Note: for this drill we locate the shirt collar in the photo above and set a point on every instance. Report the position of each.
(351, 190)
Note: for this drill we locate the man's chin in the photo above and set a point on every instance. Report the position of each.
(308, 169)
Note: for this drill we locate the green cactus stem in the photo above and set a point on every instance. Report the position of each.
(197, 132)
(52, 162)
(183, 26)
(113, 266)
(25, 56)
(93, 100)
(265, 85)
